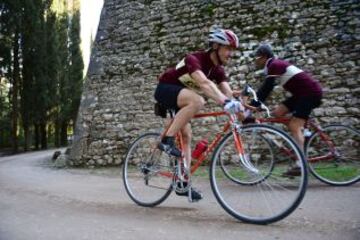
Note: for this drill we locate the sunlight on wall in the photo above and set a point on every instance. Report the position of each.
(90, 16)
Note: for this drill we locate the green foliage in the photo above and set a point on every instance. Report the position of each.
(5, 118)
(263, 31)
(76, 65)
(47, 84)
(158, 30)
(148, 2)
(209, 9)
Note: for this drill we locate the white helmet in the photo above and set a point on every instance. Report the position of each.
(224, 37)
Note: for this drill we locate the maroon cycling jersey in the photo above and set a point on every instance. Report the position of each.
(293, 79)
(180, 75)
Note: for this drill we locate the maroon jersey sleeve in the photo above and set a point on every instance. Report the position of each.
(277, 67)
(192, 63)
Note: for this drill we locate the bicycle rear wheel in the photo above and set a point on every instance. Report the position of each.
(271, 197)
(334, 155)
(147, 172)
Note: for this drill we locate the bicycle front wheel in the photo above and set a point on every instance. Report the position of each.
(272, 194)
(147, 172)
(334, 155)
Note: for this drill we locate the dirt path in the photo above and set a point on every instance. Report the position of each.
(40, 202)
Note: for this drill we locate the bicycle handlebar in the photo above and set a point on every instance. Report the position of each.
(248, 89)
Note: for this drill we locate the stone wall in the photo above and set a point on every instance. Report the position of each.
(137, 40)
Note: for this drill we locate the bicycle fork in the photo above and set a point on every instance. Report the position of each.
(244, 158)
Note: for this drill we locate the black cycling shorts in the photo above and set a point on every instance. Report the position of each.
(301, 107)
(166, 95)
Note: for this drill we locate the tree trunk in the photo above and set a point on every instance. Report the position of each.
(27, 137)
(37, 136)
(50, 134)
(63, 135)
(15, 90)
(57, 133)
(43, 134)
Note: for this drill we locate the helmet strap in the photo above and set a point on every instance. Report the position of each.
(211, 49)
(218, 57)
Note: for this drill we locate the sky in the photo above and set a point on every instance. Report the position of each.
(90, 15)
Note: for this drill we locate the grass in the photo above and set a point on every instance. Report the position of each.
(337, 173)
(328, 171)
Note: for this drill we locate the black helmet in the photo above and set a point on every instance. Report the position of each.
(263, 50)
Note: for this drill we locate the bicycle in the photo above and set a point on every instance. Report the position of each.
(150, 175)
(332, 151)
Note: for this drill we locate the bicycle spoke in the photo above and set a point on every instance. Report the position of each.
(147, 172)
(334, 155)
(258, 198)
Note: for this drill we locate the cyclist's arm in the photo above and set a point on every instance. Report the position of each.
(226, 89)
(264, 91)
(275, 69)
(208, 87)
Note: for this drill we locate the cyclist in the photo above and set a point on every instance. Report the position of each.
(306, 93)
(181, 88)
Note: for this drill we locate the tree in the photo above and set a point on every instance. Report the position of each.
(52, 63)
(40, 70)
(63, 90)
(71, 86)
(76, 65)
(10, 64)
(30, 69)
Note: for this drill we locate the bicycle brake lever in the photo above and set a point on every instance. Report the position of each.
(263, 106)
(252, 91)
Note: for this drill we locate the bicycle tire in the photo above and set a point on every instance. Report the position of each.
(342, 167)
(144, 171)
(267, 166)
(269, 200)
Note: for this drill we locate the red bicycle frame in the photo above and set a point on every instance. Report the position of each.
(212, 145)
(310, 123)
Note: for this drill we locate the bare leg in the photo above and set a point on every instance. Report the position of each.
(186, 135)
(295, 127)
(190, 103)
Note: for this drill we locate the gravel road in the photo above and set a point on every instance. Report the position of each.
(38, 201)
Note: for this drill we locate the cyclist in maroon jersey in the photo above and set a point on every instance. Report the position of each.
(306, 93)
(181, 88)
